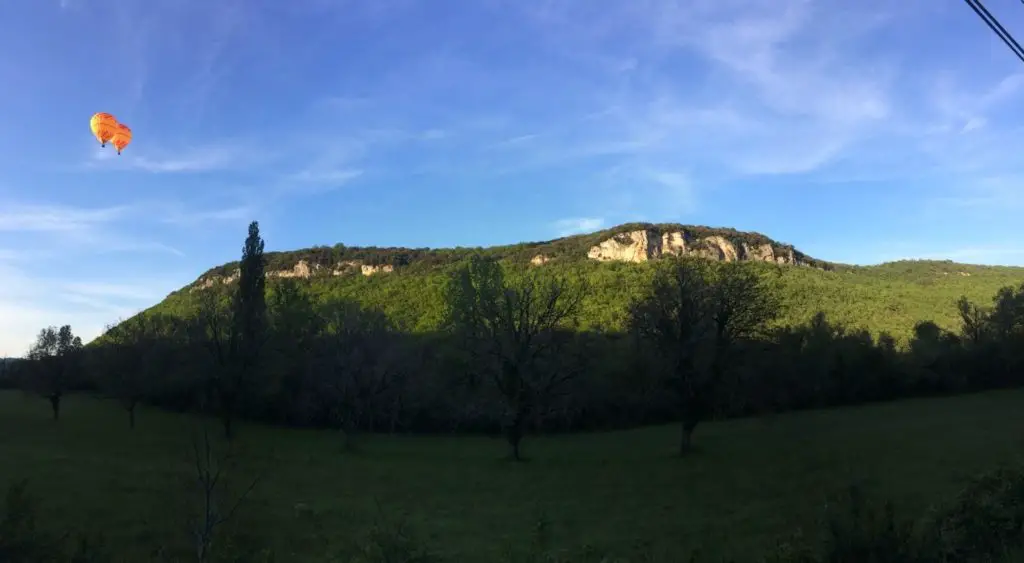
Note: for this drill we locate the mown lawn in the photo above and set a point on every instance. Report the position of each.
(750, 482)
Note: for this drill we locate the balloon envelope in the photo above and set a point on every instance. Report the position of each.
(122, 136)
(103, 126)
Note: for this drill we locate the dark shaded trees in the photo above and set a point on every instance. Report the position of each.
(295, 329)
(694, 319)
(357, 356)
(515, 334)
(741, 306)
(235, 336)
(55, 357)
(131, 358)
(675, 320)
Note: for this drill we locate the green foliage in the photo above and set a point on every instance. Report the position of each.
(24, 540)
(984, 523)
(515, 334)
(389, 540)
(889, 298)
(985, 520)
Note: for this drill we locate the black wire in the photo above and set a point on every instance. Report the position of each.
(996, 27)
(1005, 34)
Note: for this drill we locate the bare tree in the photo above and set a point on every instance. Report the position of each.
(515, 333)
(55, 357)
(210, 474)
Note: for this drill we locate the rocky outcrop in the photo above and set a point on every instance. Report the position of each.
(370, 270)
(301, 270)
(759, 252)
(539, 260)
(673, 243)
(716, 248)
(633, 246)
(644, 245)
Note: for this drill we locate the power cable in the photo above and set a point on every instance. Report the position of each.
(996, 27)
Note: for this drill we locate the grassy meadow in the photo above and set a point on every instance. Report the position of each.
(750, 482)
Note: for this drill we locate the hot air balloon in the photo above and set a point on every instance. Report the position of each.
(122, 136)
(103, 126)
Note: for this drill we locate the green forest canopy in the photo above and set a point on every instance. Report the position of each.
(890, 297)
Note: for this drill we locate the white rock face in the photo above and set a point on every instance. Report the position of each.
(628, 247)
(643, 245)
(631, 246)
(301, 270)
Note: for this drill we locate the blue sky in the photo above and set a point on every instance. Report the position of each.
(860, 132)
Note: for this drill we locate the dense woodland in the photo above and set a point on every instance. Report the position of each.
(509, 351)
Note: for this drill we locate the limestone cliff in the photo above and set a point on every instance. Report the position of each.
(649, 244)
(636, 242)
(302, 270)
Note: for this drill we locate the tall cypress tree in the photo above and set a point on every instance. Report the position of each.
(249, 325)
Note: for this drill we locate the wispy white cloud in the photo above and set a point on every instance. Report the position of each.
(225, 155)
(31, 302)
(179, 216)
(8, 254)
(774, 87)
(578, 225)
(1008, 255)
(56, 218)
(333, 178)
(105, 230)
(225, 22)
(103, 289)
(982, 194)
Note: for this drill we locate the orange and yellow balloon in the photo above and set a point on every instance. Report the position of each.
(122, 136)
(103, 126)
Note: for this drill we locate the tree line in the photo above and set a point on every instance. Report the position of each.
(510, 357)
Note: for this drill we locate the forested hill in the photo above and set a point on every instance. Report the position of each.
(407, 284)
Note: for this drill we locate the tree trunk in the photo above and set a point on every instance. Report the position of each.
(514, 435)
(686, 437)
(55, 405)
(514, 440)
(226, 421)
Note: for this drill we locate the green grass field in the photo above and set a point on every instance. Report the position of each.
(750, 482)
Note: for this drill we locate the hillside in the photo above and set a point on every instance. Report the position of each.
(406, 283)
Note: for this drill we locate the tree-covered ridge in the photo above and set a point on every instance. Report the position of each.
(890, 297)
(572, 248)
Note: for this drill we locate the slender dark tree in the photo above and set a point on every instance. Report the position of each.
(249, 316)
(235, 337)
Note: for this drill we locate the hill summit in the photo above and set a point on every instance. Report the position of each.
(631, 242)
(406, 284)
